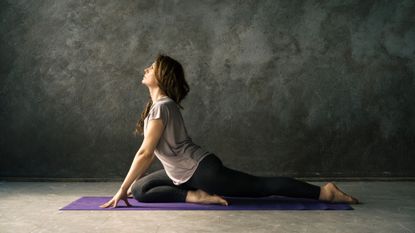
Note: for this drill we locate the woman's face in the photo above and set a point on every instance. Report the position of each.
(149, 78)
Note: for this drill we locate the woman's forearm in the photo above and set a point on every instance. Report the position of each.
(139, 165)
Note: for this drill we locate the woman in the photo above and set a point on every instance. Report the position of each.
(192, 174)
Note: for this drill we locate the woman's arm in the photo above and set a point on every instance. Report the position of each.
(141, 162)
(145, 154)
(139, 165)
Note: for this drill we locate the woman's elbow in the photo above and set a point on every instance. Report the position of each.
(145, 154)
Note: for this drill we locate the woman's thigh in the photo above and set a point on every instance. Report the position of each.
(157, 186)
(213, 177)
(157, 178)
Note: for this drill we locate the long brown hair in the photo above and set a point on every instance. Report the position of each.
(170, 77)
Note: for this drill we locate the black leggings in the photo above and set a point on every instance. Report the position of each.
(214, 178)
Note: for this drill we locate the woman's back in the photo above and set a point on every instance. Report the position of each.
(176, 150)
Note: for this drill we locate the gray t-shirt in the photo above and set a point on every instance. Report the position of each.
(175, 149)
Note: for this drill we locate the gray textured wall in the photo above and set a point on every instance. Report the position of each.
(299, 88)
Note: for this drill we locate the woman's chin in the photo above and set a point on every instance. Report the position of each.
(144, 84)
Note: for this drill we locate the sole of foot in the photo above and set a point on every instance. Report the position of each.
(201, 197)
(333, 194)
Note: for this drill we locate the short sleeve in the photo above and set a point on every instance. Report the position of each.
(159, 111)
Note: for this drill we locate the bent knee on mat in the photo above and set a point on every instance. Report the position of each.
(137, 191)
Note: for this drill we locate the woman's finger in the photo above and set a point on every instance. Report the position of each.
(126, 202)
(106, 204)
(110, 202)
(103, 205)
(115, 203)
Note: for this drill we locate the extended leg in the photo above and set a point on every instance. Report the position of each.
(213, 177)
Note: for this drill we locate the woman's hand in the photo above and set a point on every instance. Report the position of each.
(120, 195)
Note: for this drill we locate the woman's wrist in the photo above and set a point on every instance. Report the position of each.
(124, 189)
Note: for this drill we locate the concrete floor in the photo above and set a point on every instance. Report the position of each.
(33, 207)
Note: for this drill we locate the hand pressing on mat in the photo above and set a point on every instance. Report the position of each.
(120, 195)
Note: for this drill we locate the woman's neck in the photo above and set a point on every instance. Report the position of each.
(156, 94)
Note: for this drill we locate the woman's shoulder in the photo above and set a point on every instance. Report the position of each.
(167, 103)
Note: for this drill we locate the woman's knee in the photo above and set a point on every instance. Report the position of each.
(140, 195)
(137, 190)
(140, 187)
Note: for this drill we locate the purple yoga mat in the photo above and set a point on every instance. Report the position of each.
(235, 203)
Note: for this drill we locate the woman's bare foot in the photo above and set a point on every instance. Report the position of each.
(200, 196)
(330, 192)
